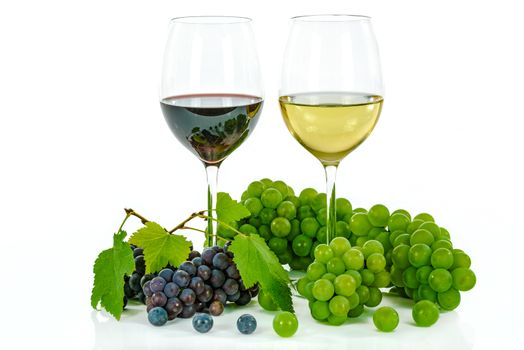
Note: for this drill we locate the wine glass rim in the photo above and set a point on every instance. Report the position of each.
(335, 17)
(210, 20)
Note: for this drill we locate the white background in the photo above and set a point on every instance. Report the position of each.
(82, 136)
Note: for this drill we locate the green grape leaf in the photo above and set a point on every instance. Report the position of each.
(229, 210)
(160, 247)
(110, 267)
(257, 263)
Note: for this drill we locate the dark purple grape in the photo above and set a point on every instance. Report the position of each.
(140, 265)
(141, 297)
(134, 282)
(188, 311)
(149, 304)
(171, 290)
(173, 307)
(197, 284)
(146, 278)
(193, 254)
(198, 261)
(220, 261)
(188, 267)
(241, 286)
(137, 252)
(233, 297)
(158, 299)
(207, 256)
(166, 274)
(181, 278)
(217, 278)
(244, 299)
(232, 272)
(217, 249)
(204, 272)
(125, 302)
(200, 306)
(146, 289)
(230, 254)
(216, 308)
(253, 291)
(230, 286)
(128, 292)
(187, 296)
(157, 284)
(206, 295)
(220, 295)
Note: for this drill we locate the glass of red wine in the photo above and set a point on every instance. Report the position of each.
(211, 91)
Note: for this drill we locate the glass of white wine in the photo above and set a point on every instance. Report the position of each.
(331, 91)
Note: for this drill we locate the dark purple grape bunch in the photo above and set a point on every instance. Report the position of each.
(204, 283)
(133, 284)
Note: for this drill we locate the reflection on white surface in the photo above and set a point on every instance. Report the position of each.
(134, 332)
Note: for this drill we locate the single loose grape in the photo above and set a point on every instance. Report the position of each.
(266, 301)
(280, 227)
(302, 245)
(376, 263)
(382, 279)
(255, 189)
(287, 210)
(359, 224)
(353, 259)
(372, 246)
(400, 256)
(423, 273)
(356, 275)
(398, 221)
(440, 280)
(318, 202)
(343, 208)
(442, 258)
(336, 265)
(425, 292)
(285, 324)
(425, 313)
(375, 297)
(323, 289)
(339, 305)
(281, 187)
(246, 324)
(202, 323)
(315, 270)
(378, 215)
(449, 300)
(345, 285)
(307, 195)
(271, 198)
(460, 259)
(339, 245)
(464, 279)
(419, 255)
(320, 310)
(309, 227)
(385, 319)
(424, 217)
(368, 277)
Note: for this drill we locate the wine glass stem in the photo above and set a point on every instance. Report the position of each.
(212, 180)
(331, 219)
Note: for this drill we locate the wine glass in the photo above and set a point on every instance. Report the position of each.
(211, 92)
(331, 91)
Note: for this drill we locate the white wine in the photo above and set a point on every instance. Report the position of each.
(330, 124)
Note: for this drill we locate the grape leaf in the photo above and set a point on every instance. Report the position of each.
(229, 210)
(257, 263)
(110, 267)
(160, 247)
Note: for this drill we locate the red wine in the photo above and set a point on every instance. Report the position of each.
(211, 126)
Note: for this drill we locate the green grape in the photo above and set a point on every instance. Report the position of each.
(363, 294)
(424, 217)
(301, 285)
(359, 248)
(356, 275)
(336, 320)
(361, 241)
(383, 238)
(302, 245)
(419, 255)
(422, 236)
(265, 232)
(290, 191)
(440, 280)
(382, 279)
(400, 256)
(398, 221)
(464, 279)
(409, 292)
(360, 224)
(254, 221)
(339, 305)
(376, 263)
(329, 276)
(442, 243)
(402, 239)
(442, 258)
(404, 212)
(305, 261)
(308, 291)
(356, 312)
(372, 246)
(320, 310)
(396, 276)
(254, 205)
(431, 227)
(354, 300)
(360, 210)
(378, 215)
(339, 245)
(255, 189)
(444, 234)
(244, 196)
(227, 232)
(305, 211)
(293, 199)
(409, 277)
(345, 285)
(285, 257)
(318, 202)
(322, 234)
(271, 198)
(425, 313)
(388, 255)
(266, 301)
(277, 245)
(352, 240)
(287, 210)
(281, 187)
(307, 195)
(336, 265)
(385, 319)
(394, 235)
(323, 289)
(295, 230)
(368, 277)
(285, 324)
(353, 259)
(267, 215)
(449, 300)
(323, 253)
(375, 297)
(460, 259)
(312, 251)
(248, 229)
(414, 225)
(322, 216)
(309, 227)
(373, 233)
(280, 227)
(267, 182)
(423, 273)
(416, 297)
(315, 270)
(343, 208)
(426, 293)
(342, 229)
